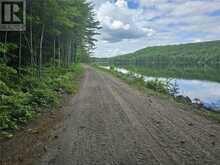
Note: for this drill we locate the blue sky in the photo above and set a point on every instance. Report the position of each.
(129, 25)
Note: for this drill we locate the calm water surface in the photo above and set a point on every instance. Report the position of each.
(207, 92)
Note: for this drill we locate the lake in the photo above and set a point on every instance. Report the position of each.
(208, 92)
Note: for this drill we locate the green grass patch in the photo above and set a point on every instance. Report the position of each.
(154, 87)
(214, 115)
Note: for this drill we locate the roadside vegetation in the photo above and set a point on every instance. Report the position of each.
(40, 65)
(162, 89)
(159, 86)
(23, 97)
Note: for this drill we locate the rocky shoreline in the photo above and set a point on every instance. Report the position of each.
(197, 103)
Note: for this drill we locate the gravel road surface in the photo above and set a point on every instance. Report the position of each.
(110, 123)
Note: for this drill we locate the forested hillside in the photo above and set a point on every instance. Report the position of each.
(190, 61)
(186, 54)
(36, 66)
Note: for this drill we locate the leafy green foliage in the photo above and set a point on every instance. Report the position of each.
(8, 74)
(112, 67)
(20, 102)
(61, 30)
(158, 86)
(36, 71)
(14, 107)
(65, 21)
(4, 48)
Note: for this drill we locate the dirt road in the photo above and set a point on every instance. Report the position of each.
(111, 124)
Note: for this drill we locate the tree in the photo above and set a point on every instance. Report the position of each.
(62, 30)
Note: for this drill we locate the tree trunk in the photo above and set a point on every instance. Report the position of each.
(75, 53)
(59, 53)
(70, 52)
(6, 39)
(65, 46)
(41, 47)
(54, 52)
(31, 37)
(19, 58)
(62, 53)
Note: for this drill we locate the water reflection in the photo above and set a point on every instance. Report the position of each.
(206, 91)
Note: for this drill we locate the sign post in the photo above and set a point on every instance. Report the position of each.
(12, 15)
(13, 18)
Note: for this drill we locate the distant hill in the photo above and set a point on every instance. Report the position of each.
(193, 53)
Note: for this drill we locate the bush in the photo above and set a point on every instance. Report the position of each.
(112, 68)
(4, 89)
(158, 86)
(22, 95)
(44, 97)
(15, 110)
(8, 75)
(140, 80)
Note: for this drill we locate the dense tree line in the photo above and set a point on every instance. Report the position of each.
(35, 65)
(61, 31)
(190, 61)
(195, 54)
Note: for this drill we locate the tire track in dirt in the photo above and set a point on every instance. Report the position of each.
(109, 123)
(155, 115)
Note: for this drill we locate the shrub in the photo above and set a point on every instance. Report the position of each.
(140, 80)
(112, 68)
(22, 95)
(4, 89)
(173, 88)
(14, 109)
(8, 75)
(44, 97)
(158, 86)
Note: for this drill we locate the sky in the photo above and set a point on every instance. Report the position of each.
(130, 25)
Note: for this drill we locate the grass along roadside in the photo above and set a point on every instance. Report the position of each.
(24, 97)
(163, 90)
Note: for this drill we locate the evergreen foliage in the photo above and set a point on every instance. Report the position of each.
(36, 66)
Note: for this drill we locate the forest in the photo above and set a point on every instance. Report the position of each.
(191, 61)
(185, 54)
(41, 64)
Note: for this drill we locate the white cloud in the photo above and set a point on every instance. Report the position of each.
(119, 22)
(120, 25)
(149, 32)
(121, 3)
(191, 8)
(197, 40)
(154, 22)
